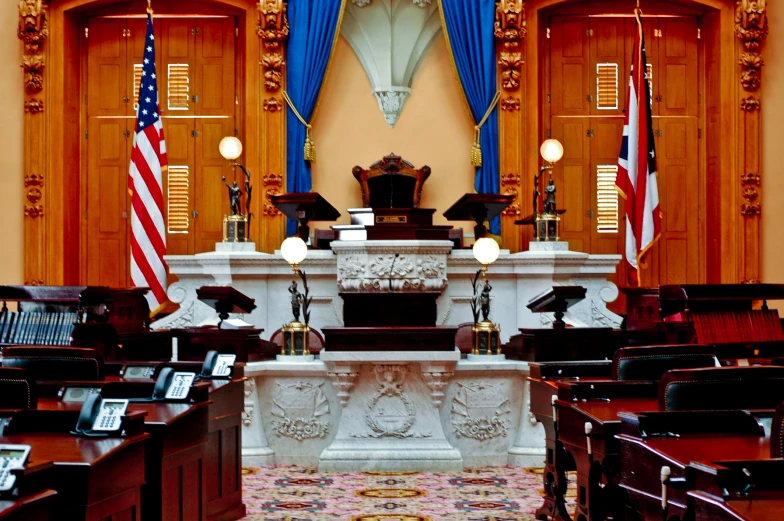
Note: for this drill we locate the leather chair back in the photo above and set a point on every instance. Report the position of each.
(722, 388)
(651, 362)
(17, 389)
(464, 339)
(56, 363)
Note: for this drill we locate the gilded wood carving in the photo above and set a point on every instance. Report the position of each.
(509, 31)
(751, 27)
(273, 30)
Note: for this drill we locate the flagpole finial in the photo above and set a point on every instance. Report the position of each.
(149, 6)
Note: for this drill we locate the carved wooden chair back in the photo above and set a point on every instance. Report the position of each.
(391, 182)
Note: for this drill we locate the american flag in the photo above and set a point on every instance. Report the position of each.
(145, 182)
(636, 179)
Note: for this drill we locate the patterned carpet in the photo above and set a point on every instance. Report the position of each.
(291, 493)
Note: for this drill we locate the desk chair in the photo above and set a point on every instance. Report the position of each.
(651, 362)
(56, 363)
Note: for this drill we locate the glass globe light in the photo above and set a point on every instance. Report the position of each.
(294, 250)
(552, 150)
(486, 251)
(230, 148)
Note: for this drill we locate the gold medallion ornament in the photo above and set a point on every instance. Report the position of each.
(391, 493)
(390, 517)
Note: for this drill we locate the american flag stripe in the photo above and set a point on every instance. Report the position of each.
(636, 180)
(145, 180)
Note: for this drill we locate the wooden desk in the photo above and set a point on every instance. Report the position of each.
(709, 508)
(694, 457)
(175, 452)
(31, 507)
(544, 378)
(597, 493)
(223, 463)
(95, 478)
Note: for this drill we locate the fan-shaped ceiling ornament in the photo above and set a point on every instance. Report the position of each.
(391, 37)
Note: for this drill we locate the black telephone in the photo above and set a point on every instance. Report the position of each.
(99, 416)
(217, 365)
(12, 457)
(172, 385)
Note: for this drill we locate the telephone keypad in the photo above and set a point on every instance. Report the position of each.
(110, 415)
(180, 386)
(11, 457)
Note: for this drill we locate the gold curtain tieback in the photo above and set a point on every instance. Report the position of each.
(476, 149)
(309, 150)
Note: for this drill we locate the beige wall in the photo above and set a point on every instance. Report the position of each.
(11, 194)
(349, 129)
(435, 129)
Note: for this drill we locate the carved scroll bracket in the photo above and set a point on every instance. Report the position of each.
(751, 27)
(33, 31)
(273, 29)
(509, 31)
(272, 186)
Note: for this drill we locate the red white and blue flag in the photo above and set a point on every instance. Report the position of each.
(636, 179)
(145, 182)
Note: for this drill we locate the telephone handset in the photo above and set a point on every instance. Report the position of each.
(99, 416)
(11, 457)
(217, 365)
(172, 385)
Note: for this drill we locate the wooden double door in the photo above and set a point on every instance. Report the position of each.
(589, 68)
(195, 62)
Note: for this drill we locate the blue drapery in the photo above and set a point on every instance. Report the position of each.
(313, 24)
(469, 29)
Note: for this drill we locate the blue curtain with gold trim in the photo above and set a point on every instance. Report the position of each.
(313, 26)
(469, 31)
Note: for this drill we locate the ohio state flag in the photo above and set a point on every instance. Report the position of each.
(636, 179)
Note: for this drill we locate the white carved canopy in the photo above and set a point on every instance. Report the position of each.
(391, 37)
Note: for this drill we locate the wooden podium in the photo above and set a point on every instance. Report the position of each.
(479, 208)
(304, 207)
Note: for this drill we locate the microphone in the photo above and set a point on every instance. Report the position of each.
(392, 270)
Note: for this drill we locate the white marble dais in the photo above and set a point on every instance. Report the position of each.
(516, 278)
(392, 412)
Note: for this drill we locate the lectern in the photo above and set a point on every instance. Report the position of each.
(479, 208)
(304, 207)
(557, 300)
(225, 300)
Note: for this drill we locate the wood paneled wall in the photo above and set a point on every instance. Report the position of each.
(55, 229)
(733, 34)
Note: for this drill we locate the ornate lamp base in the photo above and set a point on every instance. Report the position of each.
(295, 339)
(487, 338)
(547, 227)
(235, 228)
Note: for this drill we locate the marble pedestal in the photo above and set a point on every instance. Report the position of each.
(390, 419)
(294, 412)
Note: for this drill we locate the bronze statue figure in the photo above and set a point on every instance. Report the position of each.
(484, 299)
(296, 300)
(549, 199)
(235, 192)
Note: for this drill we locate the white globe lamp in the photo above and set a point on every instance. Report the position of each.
(552, 150)
(294, 250)
(486, 251)
(230, 148)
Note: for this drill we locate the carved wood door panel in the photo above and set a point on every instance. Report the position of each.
(196, 83)
(107, 166)
(590, 59)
